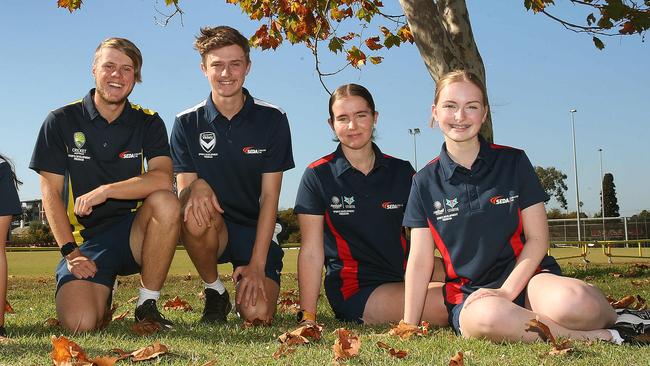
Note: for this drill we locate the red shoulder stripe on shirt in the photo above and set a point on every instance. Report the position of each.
(495, 146)
(434, 160)
(321, 161)
(515, 240)
(350, 271)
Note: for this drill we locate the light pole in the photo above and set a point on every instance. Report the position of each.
(415, 132)
(575, 170)
(602, 192)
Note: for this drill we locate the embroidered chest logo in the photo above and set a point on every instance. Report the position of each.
(448, 211)
(500, 200)
(388, 205)
(207, 141)
(343, 205)
(79, 154)
(250, 150)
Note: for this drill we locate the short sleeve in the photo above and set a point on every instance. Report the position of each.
(50, 151)
(279, 155)
(180, 151)
(309, 199)
(415, 215)
(9, 202)
(155, 139)
(530, 189)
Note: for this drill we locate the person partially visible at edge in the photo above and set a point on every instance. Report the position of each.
(482, 206)
(350, 206)
(109, 216)
(9, 206)
(230, 152)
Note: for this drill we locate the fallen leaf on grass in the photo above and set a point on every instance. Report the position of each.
(142, 354)
(65, 352)
(640, 303)
(188, 276)
(307, 331)
(52, 322)
(104, 361)
(8, 308)
(177, 304)
(559, 348)
(121, 316)
(132, 300)
(405, 331)
(628, 302)
(640, 283)
(616, 274)
(346, 345)
(256, 323)
(457, 360)
(288, 305)
(623, 302)
(392, 351)
(146, 327)
(283, 351)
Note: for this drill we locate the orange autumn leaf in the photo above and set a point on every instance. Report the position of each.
(121, 354)
(405, 331)
(146, 327)
(307, 331)
(283, 350)
(623, 302)
(121, 316)
(405, 34)
(457, 360)
(65, 352)
(177, 304)
(256, 323)
(372, 43)
(51, 322)
(392, 351)
(559, 347)
(8, 308)
(149, 352)
(71, 5)
(346, 345)
(104, 361)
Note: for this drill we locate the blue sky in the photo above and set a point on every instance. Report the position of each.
(536, 72)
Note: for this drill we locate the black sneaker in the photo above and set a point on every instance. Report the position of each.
(149, 311)
(633, 325)
(217, 306)
(3, 333)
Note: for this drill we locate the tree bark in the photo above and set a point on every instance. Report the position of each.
(443, 35)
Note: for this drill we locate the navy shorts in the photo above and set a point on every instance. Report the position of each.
(111, 251)
(350, 310)
(239, 250)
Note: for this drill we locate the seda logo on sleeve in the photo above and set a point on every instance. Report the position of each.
(78, 152)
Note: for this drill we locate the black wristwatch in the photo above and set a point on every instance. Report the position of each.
(68, 248)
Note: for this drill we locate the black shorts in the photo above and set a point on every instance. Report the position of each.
(350, 310)
(239, 250)
(111, 251)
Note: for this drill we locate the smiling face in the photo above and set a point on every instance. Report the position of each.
(460, 111)
(353, 122)
(226, 69)
(114, 76)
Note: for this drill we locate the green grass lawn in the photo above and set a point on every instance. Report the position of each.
(31, 292)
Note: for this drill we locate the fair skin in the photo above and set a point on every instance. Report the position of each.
(5, 221)
(570, 307)
(81, 305)
(204, 232)
(353, 122)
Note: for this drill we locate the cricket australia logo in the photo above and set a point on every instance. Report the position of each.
(79, 139)
(79, 154)
(343, 205)
(207, 141)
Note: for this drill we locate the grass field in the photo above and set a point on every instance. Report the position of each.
(31, 292)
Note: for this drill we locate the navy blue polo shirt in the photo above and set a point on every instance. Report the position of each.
(363, 235)
(9, 202)
(231, 155)
(77, 142)
(475, 215)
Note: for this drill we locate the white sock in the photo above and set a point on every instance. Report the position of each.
(216, 285)
(616, 338)
(146, 294)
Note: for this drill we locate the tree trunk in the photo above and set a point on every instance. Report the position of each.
(443, 35)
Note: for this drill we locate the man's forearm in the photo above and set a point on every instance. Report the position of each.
(57, 217)
(139, 187)
(265, 229)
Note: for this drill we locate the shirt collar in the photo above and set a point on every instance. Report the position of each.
(485, 156)
(341, 163)
(211, 111)
(89, 105)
